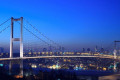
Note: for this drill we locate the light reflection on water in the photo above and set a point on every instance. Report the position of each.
(82, 67)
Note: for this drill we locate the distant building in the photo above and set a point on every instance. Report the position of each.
(44, 49)
(60, 48)
(88, 50)
(63, 49)
(96, 49)
(50, 48)
(1, 50)
(83, 50)
(102, 50)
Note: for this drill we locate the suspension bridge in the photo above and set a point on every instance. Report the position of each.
(32, 42)
(36, 43)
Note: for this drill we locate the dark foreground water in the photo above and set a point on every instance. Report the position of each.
(61, 69)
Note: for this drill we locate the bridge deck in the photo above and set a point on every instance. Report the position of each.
(53, 57)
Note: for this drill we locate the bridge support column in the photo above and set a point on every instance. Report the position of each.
(21, 38)
(16, 39)
(11, 37)
(115, 50)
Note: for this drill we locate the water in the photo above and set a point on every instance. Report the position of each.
(61, 68)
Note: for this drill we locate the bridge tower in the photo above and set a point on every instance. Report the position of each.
(16, 39)
(115, 51)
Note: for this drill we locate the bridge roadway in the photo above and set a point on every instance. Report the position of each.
(15, 58)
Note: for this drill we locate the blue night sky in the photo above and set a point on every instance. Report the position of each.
(73, 23)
